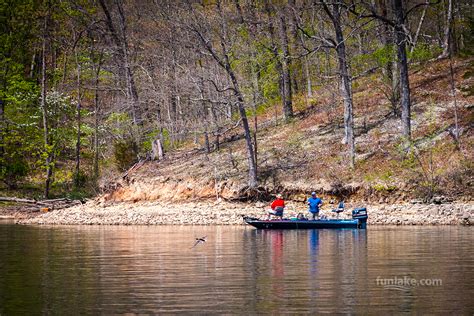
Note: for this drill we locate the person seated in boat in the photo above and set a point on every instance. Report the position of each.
(278, 206)
(314, 204)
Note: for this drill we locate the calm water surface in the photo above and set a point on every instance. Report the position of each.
(140, 269)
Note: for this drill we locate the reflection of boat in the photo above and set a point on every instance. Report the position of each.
(359, 220)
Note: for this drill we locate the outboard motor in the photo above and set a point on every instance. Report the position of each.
(361, 215)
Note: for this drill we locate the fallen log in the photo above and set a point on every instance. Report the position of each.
(133, 168)
(52, 203)
(19, 200)
(56, 200)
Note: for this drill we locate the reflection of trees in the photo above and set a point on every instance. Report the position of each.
(46, 269)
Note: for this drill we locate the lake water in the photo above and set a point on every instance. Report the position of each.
(140, 269)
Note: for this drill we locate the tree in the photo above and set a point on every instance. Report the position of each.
(17, 91)
(280, 51)
(46, 137)
(448, 31)
(118, 33)
(368, 10)
(400, 42)
(346, 86)
(285, 65)
(223, 58)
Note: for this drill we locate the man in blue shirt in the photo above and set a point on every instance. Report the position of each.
(314, 203)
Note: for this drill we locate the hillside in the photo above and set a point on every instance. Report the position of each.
(307, 154)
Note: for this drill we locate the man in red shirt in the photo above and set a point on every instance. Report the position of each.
(277, 207)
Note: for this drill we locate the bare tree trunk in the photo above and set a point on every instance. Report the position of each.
(206, 141)
(96, 116)
(417, 33)
(252, 177)
(157, 150)
(285, 67)
(3, 124)
(309, 85)
(245, 124)
(45, 111)
(391, 67)
(78, 118)
(278, 59)
(395, 83)
(453, 91)
(447, 42)
(346, 85)
(2, 130)
(120, 39)
(403, 69)
(32, 65)
(224, 62)
(173, 105)
(256, 93)
(161, 134)
(132, 94)
(207, 111)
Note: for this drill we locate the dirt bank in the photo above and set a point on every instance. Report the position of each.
(225, 213)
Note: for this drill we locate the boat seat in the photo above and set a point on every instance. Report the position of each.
(339, 209)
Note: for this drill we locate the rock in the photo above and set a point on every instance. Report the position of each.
(437, 199)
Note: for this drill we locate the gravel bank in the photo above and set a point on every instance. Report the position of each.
(224, 213)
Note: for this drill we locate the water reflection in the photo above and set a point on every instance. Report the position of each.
(310, 263)
(239, 270)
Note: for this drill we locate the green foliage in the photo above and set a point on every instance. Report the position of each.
(151, 136)
(80, 179)
(424, 52)
(12, 171)
(119, 124)
(383, 55)
(269, 82)
(21, 137)
(125, 154)
(469, 88)
(80, 194)
(382, 187)
(381, 181)
(468, 34)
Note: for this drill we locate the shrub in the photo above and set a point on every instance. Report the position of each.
(80, 179)
(125, 154)
(12, 171)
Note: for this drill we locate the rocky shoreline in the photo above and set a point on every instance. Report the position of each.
(225, 213)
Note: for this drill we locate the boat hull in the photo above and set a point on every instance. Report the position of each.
(306, 224)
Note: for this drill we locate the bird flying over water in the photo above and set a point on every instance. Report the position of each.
(199, 240)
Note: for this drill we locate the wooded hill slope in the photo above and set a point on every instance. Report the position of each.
(245, 98)
(307, 155)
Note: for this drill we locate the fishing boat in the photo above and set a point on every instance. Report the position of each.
(358, 221)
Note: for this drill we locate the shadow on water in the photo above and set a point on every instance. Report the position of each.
(140, 269)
